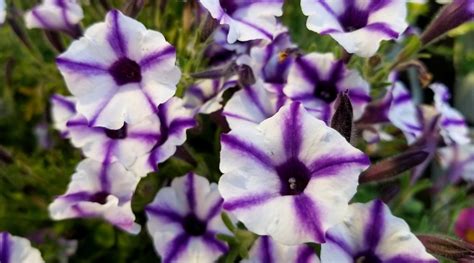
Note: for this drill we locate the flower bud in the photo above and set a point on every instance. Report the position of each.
(342, 119)
(132, 8)
(456, 250)
(450, 17)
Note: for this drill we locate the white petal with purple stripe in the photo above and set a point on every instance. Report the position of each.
(184, 220)
(206, 96)
(453, 125)
(15, 249)
(291, 177)
(62, 110)
(252, 105)
(266, 250)
(357, 25)
(458, 161)
(99, 190)
(370, 233)
(55, 15)
(119, 71)
(174, 120)
(247, 19)
(317, 79)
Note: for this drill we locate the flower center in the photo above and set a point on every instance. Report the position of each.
(367, 257)
(194, 226)
(117, 134)
(294, 177)
(469, 237)
(353, 19)
(230, 6)
(125, 71)
(326, 91)
(99, 197)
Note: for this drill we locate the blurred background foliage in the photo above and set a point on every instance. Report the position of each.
(36, 164)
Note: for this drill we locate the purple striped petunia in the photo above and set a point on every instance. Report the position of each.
(252, 105)
(246, 19)
(370, 233)
(3, 12)
(119, 71)
(403, 112)
(271, 60)
(291, 177)
(63, 108)
(63, 15)
(99, 190)
(357, 25)
(317, 79)
(15, 249)
(453, 125)
(174, 120)
(206, 96)
(266, 250)
(184, 220)
(458, 162)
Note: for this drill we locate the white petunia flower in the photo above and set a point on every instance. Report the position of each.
(15, 249)
(63, 15)
(99, 190)
(247, 19)
(291, 177)
(316, 80)
(119, 71)
(370, 233)
(184, 219)
(359, 25)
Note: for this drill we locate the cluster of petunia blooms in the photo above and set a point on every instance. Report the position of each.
(288, 173)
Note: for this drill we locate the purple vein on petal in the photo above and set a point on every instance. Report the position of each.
(249, 201)
(149, 60)
(308, 216)
(176, 247)
(236, 144)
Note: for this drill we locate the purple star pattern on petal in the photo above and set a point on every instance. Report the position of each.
(370, 233)
(99, 190)
(265, 249)
(63, 15)
(119, 71)
(280, 177)
(316, 79)
(246, 19)
(358, 26)
(184, 220)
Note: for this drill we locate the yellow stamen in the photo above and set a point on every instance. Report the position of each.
(469, 237)
(282, 56)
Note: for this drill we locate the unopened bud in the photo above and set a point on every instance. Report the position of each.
(451, 16)
(246, 76)
(391, 167)
(453, 249)
(132, 8)
(342, 119)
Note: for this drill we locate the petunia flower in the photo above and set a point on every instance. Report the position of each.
(63, 15)
(206, 96)
(453, 125)
(370, 233)
(252, 105)
(99, 190)
(119, 71)
(266, 250)
(358, 26)
(62, 110)
(175, 120)
(271, 60)
(246, 19)
(291, 177)
(464, 226)
(15, 249)
(316, 80)
(458, 161)
(404, 113)
(184, 220)
(3, 11)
